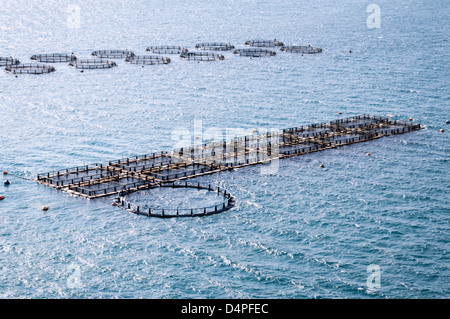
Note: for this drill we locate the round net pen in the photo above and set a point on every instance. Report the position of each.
(303, 49)
(147, 59)
(201, 56)
(53, 57)
(29, 68)
(112, 54)
(92, 64)
(167, 49)
(8, 61)
(264, 43)
(227, 201)
(255, 53)
(214, 46)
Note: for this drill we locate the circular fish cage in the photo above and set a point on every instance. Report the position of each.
(254, 53)
(53, 57)
(201, 56)
(8, 61)
(147, 59)
(138, 202)
(167, 49)
(303, 49)
(264, 43)
(92, 64)
(214, 46)
(29, 68)
(112, 54)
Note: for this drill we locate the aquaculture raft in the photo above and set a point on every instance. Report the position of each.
(123, 176)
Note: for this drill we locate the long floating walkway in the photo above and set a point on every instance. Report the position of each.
(123, 176)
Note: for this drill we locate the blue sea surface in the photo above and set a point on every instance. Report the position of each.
(300, 231)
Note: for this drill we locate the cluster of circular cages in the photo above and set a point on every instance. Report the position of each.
(228, 202)
(102, 57)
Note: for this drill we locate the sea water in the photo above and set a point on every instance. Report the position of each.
(360, 227)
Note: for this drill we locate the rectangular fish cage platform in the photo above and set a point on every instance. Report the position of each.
(146, 171)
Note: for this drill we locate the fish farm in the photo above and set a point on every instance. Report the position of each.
(264, 43)
(147, 59)
(206, 51)
(167, 49)
(92, 64)
(214, 46)
(8, 61)
(112, 54)
(29, 68)
(119, 178)
(255, 53)
(201, 56)
(301, 49)
(53, 57)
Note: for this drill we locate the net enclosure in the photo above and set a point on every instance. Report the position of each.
(5, 61)
(145, 172)
(53, 57)
(214, 46)
(201, 56)
(303, 49)
(147, 59)
(264, 43)
(112, 54)
(224, 202)
(92, 64)
(29, 68)
(255, 53)
(167, 49)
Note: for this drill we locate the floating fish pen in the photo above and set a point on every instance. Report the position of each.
(90, 64)
(167, 49)
(303, 49)
(122, 177)
(4, 61)
(112, 54)
(254, 53)
(29, 68)
(147, 59)
(214, 46)
(201, 56)
(264, 43)
(53, 57)
(227, 202)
